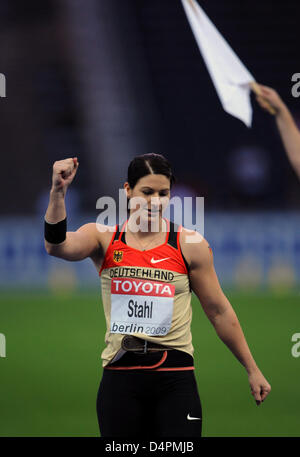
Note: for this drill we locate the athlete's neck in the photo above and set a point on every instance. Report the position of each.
(146, 229)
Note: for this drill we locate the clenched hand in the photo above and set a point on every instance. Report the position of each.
(63, 174)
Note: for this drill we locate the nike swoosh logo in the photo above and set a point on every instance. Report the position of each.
(193, 418)
(158, 260)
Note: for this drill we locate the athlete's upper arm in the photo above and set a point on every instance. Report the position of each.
(203, 277)
(83, 243)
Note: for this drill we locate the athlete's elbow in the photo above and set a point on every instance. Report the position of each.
(47, 247)
(226, 318)
(213, 310)
(214, 318)
(52, 249)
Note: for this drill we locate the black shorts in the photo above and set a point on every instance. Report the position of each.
(150, 402)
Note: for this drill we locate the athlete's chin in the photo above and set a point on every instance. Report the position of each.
(150, 222)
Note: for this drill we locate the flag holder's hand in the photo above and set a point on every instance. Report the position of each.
(257, 90)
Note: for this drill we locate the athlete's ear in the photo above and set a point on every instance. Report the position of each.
(127, 189)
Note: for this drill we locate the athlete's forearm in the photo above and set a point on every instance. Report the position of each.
(230, 332)
(290, 136)
(56, 210)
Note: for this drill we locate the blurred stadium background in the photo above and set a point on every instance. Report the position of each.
(104, 81)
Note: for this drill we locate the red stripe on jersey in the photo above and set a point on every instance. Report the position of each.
(175, 369)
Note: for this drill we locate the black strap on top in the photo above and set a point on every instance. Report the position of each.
(172, 241)
(123, 237)
(117, 234)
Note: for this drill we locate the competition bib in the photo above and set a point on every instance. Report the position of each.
(141, 306)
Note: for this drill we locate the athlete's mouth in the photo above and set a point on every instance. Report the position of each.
(153, 211)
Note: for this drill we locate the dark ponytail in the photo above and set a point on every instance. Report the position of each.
(146, 164)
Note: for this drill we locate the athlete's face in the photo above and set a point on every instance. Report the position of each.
(154, 190)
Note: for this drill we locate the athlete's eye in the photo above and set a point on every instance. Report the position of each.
(163, 193)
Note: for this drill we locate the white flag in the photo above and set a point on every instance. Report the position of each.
(230, 76)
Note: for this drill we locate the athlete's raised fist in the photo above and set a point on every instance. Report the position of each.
(63, 174)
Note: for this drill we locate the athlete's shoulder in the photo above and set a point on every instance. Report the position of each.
(195, 248)
(94, 227)
(100, 232)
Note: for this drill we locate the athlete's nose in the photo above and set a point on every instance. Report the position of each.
(155, 203)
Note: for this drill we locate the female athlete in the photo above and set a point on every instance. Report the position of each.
(149, 268)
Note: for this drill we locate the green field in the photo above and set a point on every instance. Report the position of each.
(50, 376)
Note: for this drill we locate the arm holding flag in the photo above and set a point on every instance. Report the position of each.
(288, 130)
